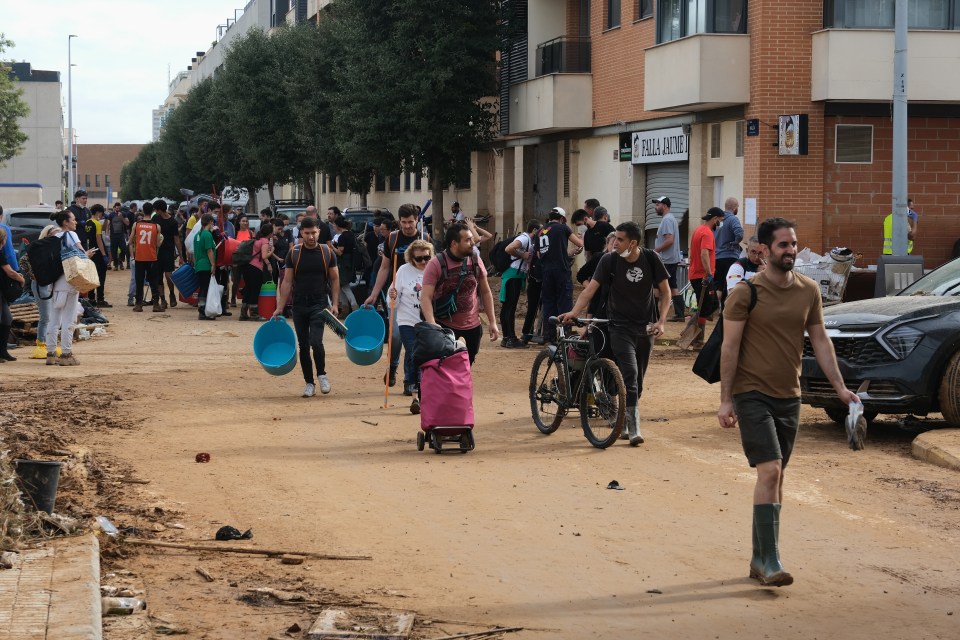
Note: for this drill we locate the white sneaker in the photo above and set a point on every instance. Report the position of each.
(311, 390)
(324, 384)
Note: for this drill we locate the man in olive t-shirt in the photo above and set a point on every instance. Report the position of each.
(760, 380)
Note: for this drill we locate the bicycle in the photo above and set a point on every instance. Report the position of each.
(571, 375)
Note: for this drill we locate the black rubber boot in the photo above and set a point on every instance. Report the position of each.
(772, 573)
(4, 336)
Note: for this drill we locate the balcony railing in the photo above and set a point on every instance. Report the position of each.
(563, 55)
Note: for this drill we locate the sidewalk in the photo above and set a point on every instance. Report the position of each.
(53, 592)
(941, 447)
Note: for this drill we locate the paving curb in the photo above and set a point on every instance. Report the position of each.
(940, 447)
(75, 612)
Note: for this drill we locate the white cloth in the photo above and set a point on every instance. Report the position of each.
(409, 282)
(736, 274)
(519, 263)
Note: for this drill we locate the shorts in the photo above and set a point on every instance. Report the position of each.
(768, 426)
(671, 275)
(167, 261)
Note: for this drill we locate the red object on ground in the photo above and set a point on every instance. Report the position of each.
(203, 457)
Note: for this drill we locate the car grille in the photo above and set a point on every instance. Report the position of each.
(878, 388)
(858, 351)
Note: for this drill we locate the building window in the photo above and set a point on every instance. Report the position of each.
(333, 183)
(879, 14)
(854, 143)
(323, 183)
(613, 14)
(96, 180)
(680, 18)
(418, 181)
(106, 179)
(740, 133)
(86, 180)
(566, 168)
(406, 181)
(644, 9)
(343, 184)
(715, 132)
(395, 183)
(379, 183)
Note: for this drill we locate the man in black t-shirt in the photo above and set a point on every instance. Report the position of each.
(312, 269)
(556, 294)
(598, 228)
(631, 274)
(167, 252)
(395, 245)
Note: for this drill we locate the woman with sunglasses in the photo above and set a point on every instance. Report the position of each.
(406, 292)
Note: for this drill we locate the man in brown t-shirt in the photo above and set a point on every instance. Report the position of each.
(760, 379)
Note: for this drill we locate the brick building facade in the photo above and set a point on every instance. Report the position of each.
(98, 170)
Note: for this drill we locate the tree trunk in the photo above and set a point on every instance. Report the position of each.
(252, 202)
(270, 185)
(308, 188)
(363, 199)
(436, 194)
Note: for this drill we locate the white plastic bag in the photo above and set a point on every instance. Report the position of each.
(212, 307)
(188, 243)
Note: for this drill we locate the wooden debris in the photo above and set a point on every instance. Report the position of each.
(279, 594)
(206, 574)
(380, 624)
(481, 634)
(259, 552)
(291, 559)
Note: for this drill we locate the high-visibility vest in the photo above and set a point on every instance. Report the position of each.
(888, 237)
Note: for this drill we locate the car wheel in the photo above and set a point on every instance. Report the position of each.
(950, 391)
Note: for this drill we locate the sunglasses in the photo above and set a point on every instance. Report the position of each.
(421, 258)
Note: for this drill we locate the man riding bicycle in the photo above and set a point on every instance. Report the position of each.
(630, 273)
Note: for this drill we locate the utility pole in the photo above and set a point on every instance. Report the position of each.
(900, 226)
(70, 179)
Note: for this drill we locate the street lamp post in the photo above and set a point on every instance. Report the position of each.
(70, 177)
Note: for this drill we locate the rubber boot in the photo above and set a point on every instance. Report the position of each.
(255, 313)
(633, 425)
(243, 312)
(772, 573)
(679, 307)
(756, 560)
(4, 336)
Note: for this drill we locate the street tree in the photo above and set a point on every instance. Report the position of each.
(12, 108)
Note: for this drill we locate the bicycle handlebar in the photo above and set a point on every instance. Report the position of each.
(580, 322)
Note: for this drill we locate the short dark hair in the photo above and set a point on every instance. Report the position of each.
(133, 205)
(58, 202)
(194, 210)
(578, 216)
(335, 209)
(206, 219)
(308, 223)
(770, 226)
(630, 229)
(226, 207)
(407, 211)
(533, 225)
(341, 222)
(265, 230)
(97, 208)
(266, 211)
(593, 203)
(453, 233)
(147, 208)
(160, 205)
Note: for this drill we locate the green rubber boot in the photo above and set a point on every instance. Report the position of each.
(756, 560)
(772, 573)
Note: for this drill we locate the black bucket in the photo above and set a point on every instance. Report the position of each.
(38, 480)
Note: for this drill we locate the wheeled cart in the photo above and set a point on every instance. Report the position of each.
(446, 403)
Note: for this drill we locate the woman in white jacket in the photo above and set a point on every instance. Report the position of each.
(64, 306)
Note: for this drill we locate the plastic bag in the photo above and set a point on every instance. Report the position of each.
(188, 243)
(432, 342)
(214, 291)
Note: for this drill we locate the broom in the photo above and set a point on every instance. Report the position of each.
(334, 323)
(393, 302)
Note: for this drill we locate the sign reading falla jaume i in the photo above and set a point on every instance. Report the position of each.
(660, 145)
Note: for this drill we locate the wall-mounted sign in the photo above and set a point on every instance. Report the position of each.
(659, 145)
(626, 152)
(793, 135)
(753, 127)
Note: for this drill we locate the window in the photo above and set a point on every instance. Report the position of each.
(741, 126)
(418, 181)
(644, 9)
(680, 18)
(395, 183)
(854, 143)
(406, 181)
(96, 180)
(379, 183)
(715, 133)
(613, 14)
(879, 14)
(566, 168)
(106, 179)
(323, 183)
(333, 183)
(343, 184)
(86, 180)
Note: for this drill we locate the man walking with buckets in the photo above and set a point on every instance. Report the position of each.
(312, 273)
(763, 325)
(631, 274)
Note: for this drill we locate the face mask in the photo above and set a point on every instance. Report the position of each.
(582, 229)
(625, 254)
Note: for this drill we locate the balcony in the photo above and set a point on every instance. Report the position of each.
(555, 102)
(842, 73)
(697, 73)
(563, 55)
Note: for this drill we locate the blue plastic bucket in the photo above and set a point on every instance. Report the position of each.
(186, 280)
(365, 331)
(275, 347)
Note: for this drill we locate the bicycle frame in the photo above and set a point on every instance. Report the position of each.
(571, 397)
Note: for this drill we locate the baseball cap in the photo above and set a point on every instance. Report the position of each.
(663, 199)
(713, 212)
(557, 213)
(80, 193)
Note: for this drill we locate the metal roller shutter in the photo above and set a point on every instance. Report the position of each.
(671, 180)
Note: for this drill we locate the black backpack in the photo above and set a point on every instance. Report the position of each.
(363, 261)
(499, 257)
(243, 254)
(44, 256)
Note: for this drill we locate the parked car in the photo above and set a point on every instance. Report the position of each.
(26, 223)
(900, 353)
(360, 217)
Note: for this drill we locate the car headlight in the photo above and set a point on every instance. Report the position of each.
(902, 341)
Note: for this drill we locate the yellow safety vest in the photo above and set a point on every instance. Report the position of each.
(888, 237)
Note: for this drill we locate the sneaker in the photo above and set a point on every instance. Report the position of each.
(204, 316)
(310, 390)
(509, 343)
(173, 300)
(130, 301)
(158, 308)
(138, 308)
(51, 358)
(163, 303)
(67, 360)
(324, 384)
(393, 377)
(408, 389)
(415, 406)
(226, 313)
(103, 304)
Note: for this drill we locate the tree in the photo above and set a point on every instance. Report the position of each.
(12, 108)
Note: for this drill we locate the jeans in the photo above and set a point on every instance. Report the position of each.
(533, 305)
(102, 263)
(556, 297)
(308, 325)
(147, 271)
(409, 338)
(43, 306)
(508, 310)
(631, 349)
(118, 248)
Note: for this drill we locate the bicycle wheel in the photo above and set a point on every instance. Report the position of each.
(602, 402)
(547, 392)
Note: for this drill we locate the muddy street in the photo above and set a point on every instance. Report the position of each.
(520, 532)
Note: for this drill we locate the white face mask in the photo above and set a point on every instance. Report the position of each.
(625, 254)
(582, 229)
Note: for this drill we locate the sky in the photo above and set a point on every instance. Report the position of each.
(121, 55)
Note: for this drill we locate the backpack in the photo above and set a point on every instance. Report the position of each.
(499, 258)
(44, 256)
(360, 249)
(446, 305)
(243, 254)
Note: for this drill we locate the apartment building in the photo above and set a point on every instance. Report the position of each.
(98, 170)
